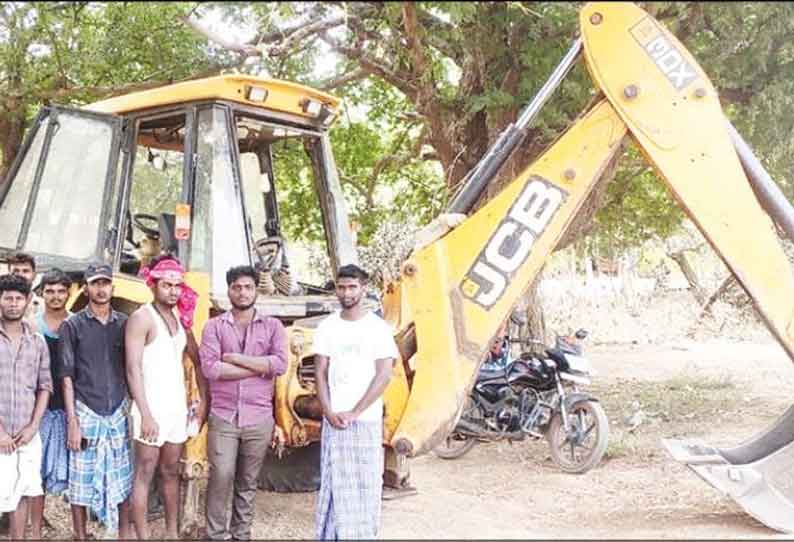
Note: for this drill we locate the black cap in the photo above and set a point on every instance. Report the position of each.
(98, 271)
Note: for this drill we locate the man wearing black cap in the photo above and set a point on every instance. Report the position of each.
(95, 399)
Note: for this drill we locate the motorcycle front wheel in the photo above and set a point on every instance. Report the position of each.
(583, 446)
(457, 445)
(454, 446)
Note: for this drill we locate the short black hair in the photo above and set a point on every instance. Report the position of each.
(55, 276)
(241, 271)
(22, 258)
(13, 283)
(352, 271)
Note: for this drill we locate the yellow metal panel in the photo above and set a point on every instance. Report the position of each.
(131, 288)
(395, 399)
(282, 95)
(195, 452)
(676, 117)
(464, 286)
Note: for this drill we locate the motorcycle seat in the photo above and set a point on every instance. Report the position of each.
(486, 374)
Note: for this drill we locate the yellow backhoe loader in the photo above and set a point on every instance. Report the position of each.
(193, 169)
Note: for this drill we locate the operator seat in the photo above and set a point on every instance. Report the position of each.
(167, 226)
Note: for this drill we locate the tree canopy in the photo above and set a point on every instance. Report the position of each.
(427, 85)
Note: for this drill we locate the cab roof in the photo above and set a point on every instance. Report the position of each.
(282, 96)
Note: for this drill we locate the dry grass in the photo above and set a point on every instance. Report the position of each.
(640, 411)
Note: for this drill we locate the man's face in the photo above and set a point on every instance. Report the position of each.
(99, 291)
(167, 292)
(24, 270)
(13, 305)
(242, 293)
(55, 296)
(349, 291)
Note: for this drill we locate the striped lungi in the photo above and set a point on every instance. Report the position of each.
(100, 477)
(351, 481)
(54, 454)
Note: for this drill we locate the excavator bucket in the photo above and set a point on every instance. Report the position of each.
(673, 112)
(757, 474)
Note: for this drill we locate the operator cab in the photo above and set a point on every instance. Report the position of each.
(193, 169)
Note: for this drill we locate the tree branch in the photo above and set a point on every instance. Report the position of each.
(300, 33)
(435, 29)
(241, 48)
(342, 80)
(315, 23)
(413, 39)
(372, 65)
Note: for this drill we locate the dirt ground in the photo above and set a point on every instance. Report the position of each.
(504, 491)
(720, 391)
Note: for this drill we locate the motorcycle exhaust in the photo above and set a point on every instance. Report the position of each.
(473, 430)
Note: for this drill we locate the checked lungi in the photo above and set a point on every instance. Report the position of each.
(351, 481)
(55, 455)
(100, 477)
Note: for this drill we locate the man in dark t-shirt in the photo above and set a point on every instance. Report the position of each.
(54, 458)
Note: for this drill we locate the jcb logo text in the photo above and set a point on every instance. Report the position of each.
(512, 242)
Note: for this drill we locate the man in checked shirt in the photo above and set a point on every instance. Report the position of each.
(25, 387)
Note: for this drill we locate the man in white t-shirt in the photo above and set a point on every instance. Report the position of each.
(354, 354)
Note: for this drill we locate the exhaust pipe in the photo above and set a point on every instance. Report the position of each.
(474, 430)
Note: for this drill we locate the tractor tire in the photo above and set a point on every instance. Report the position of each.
(298, 471)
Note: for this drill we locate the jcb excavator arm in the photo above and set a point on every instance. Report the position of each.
(456, 291)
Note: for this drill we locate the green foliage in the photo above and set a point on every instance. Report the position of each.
(70, 52)
(299, 210)
(638, 208)
(46, 47)
(396, 193)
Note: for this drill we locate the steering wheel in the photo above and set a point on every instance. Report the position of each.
(269, 250)
(139, 219)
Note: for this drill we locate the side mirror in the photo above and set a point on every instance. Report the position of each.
(581, 334)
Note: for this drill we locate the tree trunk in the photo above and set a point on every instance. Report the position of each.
(12, 131)
(726, 284)
(536, 323)
(691, 277)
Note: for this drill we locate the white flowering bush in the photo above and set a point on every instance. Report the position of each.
(388, 247)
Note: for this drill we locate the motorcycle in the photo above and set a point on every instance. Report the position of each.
(535, 397)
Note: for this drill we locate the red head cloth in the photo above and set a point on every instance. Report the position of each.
(172, 270)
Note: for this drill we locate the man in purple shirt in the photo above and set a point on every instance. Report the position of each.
(242, 352)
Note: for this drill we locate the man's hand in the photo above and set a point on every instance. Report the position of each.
(348, 417)
(336, 420)
(149, 428)
(234, 359)
(73, 435)
(26, 435)
(7, 444)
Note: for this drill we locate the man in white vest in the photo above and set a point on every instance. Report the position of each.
(156, 338)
